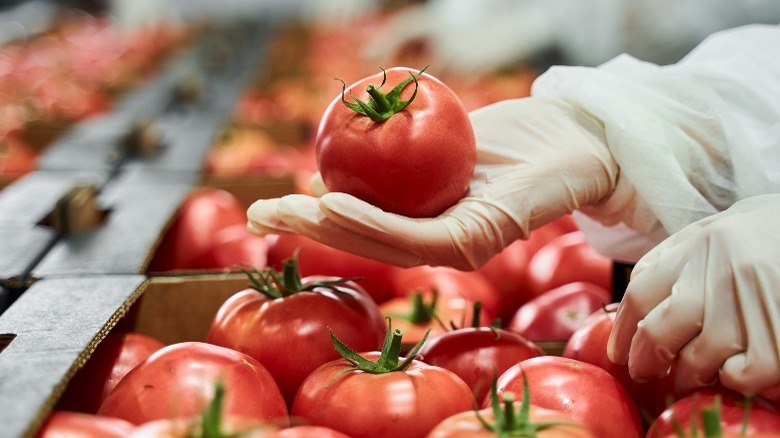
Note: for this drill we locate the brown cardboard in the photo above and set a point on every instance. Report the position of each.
(250, 188)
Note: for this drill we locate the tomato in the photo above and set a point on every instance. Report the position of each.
(315, 258)
(477, 354)
(16, 157)
(761, 416)
(80, 425)
(310, 432)
(589, 344)
(113, 358)
(234, 246)
(585, 392)
(507, 271)
(179, 380)
(556, 314)
(286, 328)
(379, 394)
(420, 312)
(417, 163)
(449, 282)
(566, 259)
(191, 234)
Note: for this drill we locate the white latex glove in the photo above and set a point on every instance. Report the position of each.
(537, 159)
(709, 296)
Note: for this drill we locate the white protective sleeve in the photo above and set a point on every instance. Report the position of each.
(690, 138)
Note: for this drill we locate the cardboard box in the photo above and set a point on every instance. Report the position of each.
(52, 330)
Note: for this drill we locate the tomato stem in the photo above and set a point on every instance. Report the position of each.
(422, 312)
(381, 106)
(274, 284)
(211, 421)
(389, 356)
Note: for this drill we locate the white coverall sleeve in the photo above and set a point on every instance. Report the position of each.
(691, 138)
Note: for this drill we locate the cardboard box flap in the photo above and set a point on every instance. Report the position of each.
(48, 334)
(30, 199)
(21, 246)
(139, 207)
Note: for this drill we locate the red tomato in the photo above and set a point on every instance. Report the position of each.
(315, 258)
(585, 392)
(566, 259)
(477, 354)
(191, 233)
(762, 416)
(16, 157)
(417, 163)
(589, 344)
(289, 334)
(310, 432)
(113, 358)
(191, 427)
(468, 425)
(417, 313)
(232, 247)
(179, 380)
(449, 282)
(406, 403)
(507, 271)
(80, 425)
(556, 314)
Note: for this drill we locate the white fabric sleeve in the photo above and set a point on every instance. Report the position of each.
(690, 138)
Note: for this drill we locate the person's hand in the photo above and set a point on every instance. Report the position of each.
(537, 159)
(709, 297)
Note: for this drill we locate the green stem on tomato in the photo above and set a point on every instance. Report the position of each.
(381, 106)
(274, 284)
(389, 356)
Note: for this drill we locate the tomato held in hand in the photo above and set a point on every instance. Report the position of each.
(179, 381)
(585, 392)
(379, 394)
(409, 151)
(113, 358)
(283, 321)
(80, 425)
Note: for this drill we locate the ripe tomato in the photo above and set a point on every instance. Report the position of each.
(315, 258)
(478, 354)
(735, 413)
(232, 247)
(507, 271)
(418, 162)
(179, 380)
(286, 328)
(556, 314)
(113, 358)
(566, 259)
(585, 392)
(420, 312)
(191, 234)
(80, 425)
(379, 394)
(449, 282)
(589, 344)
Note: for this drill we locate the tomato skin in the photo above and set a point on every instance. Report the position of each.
(417, 163)
(80, 425)
(449, 282)
(556, 314)
(581, 390)
(179, 380)
(290, 336)
(189, 427)
(476, 354)
(234, 246)
(566, 259)
(310, 432)
(315, 258)
(397, 404)
(113, 358)
(589, 344)
(763, 417)
(203, 213)
(467, 425)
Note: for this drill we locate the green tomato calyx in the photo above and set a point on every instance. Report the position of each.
(274, 284)
(381, 106)
(389, 357)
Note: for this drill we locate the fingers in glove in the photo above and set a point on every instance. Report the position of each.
(317, 185)
(302, 215)
(263, 218)
(758, 367)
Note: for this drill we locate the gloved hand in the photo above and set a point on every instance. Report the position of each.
(709, 296)
(537, 159)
